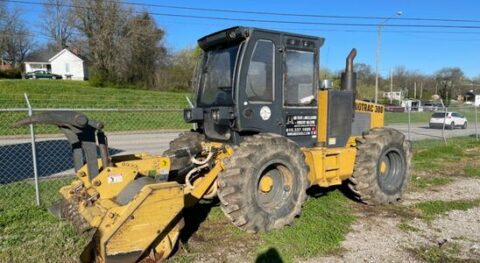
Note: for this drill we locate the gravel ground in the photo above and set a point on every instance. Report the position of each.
(461, 188)
(376, 236)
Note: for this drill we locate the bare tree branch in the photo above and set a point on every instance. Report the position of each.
(58, 22)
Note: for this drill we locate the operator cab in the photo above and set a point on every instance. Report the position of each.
(252, 80)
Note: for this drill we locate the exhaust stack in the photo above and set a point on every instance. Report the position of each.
(349, 77)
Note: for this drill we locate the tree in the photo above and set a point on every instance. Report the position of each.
(122, 47)
(365, 81)
(448, 79)
(178, 73)
(365, 75)
(102, 23)
(58, 22)
(140, 50)
(16, 41)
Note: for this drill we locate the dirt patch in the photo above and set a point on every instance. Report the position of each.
(384, 235)
(215, 240)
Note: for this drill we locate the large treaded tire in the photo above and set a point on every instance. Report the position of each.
(181, 165)
(368, 183)
(259, 156)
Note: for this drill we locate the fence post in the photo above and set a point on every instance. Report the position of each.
(408, 131)
(445, 111)
(34, 152)
(476, 121)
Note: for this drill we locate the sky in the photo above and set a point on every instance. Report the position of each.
(423, 49)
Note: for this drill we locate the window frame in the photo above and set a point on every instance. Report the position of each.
(315, 79)
(273, 72)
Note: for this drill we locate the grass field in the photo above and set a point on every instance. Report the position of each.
(24, 227)
(424, 117)
(79, 95)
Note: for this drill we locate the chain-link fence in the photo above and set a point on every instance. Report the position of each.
(420, 123)
(36, 161)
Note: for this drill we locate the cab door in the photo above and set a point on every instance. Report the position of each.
(300, 80)
(259, 85)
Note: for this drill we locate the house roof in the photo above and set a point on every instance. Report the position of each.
(472, 93)
(62, 52)
(47, 56)
(40, 56)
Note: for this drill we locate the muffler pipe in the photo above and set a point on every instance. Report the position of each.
(349, 77)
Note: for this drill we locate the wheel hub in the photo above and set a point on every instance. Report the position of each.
(266, 183)
(383, 168)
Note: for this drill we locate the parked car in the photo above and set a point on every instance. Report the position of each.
(451, 120)
(394, 108)
(432, 106)
(42, 74)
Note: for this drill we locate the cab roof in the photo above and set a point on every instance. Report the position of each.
(239, 33)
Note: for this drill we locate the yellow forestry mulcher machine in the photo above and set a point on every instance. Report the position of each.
(266, 131)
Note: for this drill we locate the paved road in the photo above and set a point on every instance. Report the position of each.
(422, 132)
(54, 152)
(157, 142)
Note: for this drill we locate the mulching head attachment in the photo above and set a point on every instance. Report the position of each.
(81, 133)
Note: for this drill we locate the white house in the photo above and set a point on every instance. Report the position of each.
(64, 63)
(472, 98)
(412, 104)
(393, 95)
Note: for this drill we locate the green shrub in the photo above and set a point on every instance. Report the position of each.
(14, 73)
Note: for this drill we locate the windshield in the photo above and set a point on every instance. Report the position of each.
(438, 115)
(216, 83)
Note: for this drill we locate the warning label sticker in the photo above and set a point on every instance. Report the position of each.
(298, 125)
(115, 178)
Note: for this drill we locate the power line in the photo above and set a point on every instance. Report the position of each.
(297, 14)
(271, 20)
(326, 30)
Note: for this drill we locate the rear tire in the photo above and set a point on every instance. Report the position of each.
(452, 126)
(263, 185)
(381, 172)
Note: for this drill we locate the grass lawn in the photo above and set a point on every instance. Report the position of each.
(79, 95)
(29, 233)
(435, 208)
(424, 117)
(436, 164)
(324, 222)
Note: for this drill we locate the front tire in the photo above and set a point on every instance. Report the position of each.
(263, 185)
(465, 125)
(381, 172)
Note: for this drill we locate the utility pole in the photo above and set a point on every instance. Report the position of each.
(379, 43)
(391, 86)
(415, 90)
(421, 90)
(377, 63)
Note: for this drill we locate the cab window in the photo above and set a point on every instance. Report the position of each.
(260, 73)
(299, 78)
